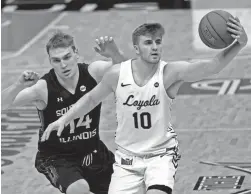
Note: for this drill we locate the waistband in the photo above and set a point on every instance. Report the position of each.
(167, 151)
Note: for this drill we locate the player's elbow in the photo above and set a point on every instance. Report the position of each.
(217, 66)
(211, 67)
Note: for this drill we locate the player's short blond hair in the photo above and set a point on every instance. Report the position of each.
(145, 29)
(60, 40)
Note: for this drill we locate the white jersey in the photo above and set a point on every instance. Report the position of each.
(143, 113)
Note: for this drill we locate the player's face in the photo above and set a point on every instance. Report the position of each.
(64, 61)
(149, 48)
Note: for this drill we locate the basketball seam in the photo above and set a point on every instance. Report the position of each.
(207, 42)
(215, 30)
(219, 15)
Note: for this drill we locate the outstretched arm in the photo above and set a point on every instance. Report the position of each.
(84, 104)
(106, 47)
(194, 71)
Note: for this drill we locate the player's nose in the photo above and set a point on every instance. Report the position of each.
(154, 46)
(63, 65)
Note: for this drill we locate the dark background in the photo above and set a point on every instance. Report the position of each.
(102, 4)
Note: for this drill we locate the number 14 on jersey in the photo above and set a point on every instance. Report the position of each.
(83, 121)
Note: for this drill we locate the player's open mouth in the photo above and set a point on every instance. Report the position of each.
(66, 72)
(155, 55)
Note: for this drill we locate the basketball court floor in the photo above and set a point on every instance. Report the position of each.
(212, 117)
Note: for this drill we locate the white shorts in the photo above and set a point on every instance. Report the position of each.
(133, 174)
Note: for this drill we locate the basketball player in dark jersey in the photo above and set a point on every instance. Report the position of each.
(78, 161)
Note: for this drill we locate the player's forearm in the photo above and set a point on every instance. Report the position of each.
(9, 94)
(80, 108)
(222, 59)
(118, 58)
(205, 68)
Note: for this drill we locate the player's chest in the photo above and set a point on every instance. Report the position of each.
(64, 99)
(139, 98)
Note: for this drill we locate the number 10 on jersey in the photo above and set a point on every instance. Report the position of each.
(144, 119)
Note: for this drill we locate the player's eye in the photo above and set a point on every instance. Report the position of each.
(67, 57)
(148, 42)
(55, 60)
(158, 41)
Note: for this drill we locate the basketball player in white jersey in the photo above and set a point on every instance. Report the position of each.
(146, 155)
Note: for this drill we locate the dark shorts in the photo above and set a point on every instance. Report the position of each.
(63, 170)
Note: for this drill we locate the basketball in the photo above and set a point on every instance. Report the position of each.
(213, 29)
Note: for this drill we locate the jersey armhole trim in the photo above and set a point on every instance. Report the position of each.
(163, 83)
(46, 103)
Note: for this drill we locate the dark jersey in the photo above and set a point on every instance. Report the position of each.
(82, 134)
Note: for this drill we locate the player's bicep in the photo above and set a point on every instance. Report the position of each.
(26, 96)
(98, 68)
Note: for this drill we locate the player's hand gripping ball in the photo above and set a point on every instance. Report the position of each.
(214, 29)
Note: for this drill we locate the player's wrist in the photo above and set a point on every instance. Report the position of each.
(239, 44)
(18, 85)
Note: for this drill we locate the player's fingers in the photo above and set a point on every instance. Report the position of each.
(235, 32)
(32, 76)
(234, 36)
(49, 130)
(26, 74)
(237, 19)
(101, 39)
(43, 136)
(106, 39)
(97, 41)
(236, 22)
(36, 76)
(234, 26)
(60, 130)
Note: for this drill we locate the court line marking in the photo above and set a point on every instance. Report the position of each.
(5, 23)
(9, 8)
(227, 166)
(36, 37)
(88, 7)
(57, 7)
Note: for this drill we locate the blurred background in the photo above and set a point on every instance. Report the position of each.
(94, 4)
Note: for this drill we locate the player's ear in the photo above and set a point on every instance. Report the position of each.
(136, 47)
(75, 50)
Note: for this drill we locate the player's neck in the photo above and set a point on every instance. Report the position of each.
(69, 83)
(143, 69)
